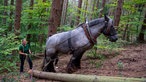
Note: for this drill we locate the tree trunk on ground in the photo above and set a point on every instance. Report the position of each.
(55, 18)
(17, 17)
(101, 12)
(79, 12)
(30, 17)
(82, 78)
(11, 14)
(5, 12)
(143, 29)
(118, 12)
(64, 12)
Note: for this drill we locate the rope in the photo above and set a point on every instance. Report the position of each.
(49, 62)
(46, 64)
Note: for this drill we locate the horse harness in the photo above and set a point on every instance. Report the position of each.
(88, 34)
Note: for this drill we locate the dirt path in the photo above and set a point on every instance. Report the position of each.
(130, 62)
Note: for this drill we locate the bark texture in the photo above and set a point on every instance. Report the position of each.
(79, 12)
(118, 12)
(82, 78)
(142, 31)
(55, 18)
(17, 17)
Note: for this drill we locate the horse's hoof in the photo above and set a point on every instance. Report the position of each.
(78, 67)
(49, 70)
(52, 70)
(71, 70)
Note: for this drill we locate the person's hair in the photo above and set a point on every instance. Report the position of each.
(24, 39)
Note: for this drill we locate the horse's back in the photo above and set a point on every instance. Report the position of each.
(60, 41)
(56, 40)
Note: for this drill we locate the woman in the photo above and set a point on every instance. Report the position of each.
(24, 50)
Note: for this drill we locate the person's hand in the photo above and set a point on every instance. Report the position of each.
(26, 54)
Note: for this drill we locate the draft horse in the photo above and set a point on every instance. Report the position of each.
(77, 41)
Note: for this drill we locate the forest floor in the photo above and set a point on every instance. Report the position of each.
(129, 62)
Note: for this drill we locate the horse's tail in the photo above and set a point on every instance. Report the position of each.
(44, 61)
(45, 53)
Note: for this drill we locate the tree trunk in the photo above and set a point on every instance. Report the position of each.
(143, 29)
(97, 4)
(55, 18)
(82, 78)
(71, 21)
(96, 8)
(118, 12)
(5, 12)
(79, 12)
(64, 12)
(44, 0)
(89, 9)
(125, 32)
(93, 8)
(85, 8)
(101, 12)
(17, 17)
(112, 9)
(11, 14)
(30, 17)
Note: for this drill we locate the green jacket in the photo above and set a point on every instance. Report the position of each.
(24, 49)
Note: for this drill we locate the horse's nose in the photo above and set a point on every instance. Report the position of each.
(116, 39)
(113, 38)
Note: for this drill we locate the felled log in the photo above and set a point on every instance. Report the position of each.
(82, 78)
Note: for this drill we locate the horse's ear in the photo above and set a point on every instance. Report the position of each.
(106, 18)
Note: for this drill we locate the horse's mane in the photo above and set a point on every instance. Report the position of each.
(95, 22)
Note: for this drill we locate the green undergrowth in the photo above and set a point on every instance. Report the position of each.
(105, 49)
(9, 54)
(17, 77)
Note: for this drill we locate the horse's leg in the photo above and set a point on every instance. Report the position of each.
(77, 61)
(49, 61)
(74, 63)
(53, 60)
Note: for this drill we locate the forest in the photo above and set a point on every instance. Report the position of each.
(36, 20)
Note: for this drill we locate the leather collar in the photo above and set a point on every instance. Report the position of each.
(88, 34)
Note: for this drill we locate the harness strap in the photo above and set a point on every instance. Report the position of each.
(49, 62)
(106, 30)
(70, 44)
(88, 34)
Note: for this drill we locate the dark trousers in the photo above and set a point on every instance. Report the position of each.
(22, 60)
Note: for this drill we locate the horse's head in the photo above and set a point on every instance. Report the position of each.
(109, 29)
